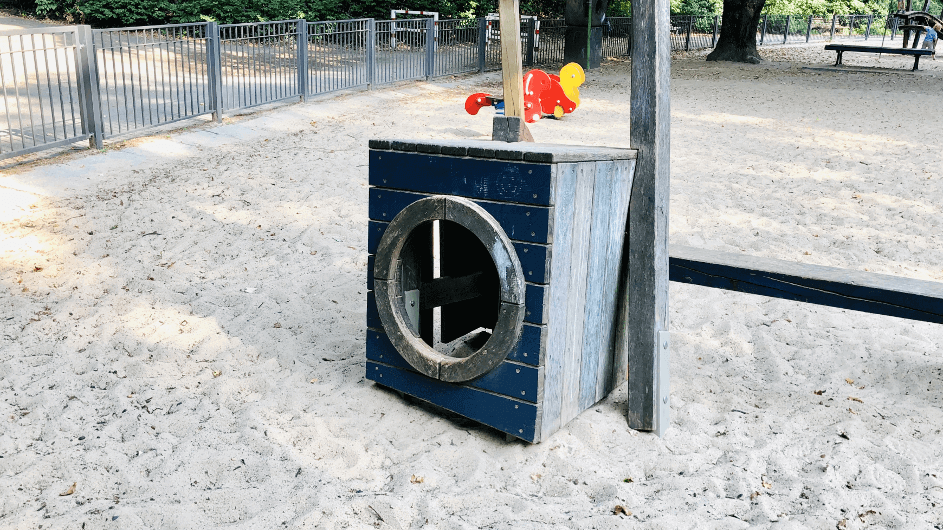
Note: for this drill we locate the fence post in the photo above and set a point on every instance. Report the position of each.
(867, 32)
(831, 36)
(687, 40)
(303, 58)
(808, 32)
(786, 33)
(716, 27)
(531, 40)
(482, 43)
(90, 103)
(214, 72)
(371, 48)
(430, 48)
(763, 34)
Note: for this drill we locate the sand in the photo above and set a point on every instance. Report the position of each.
(183, 337)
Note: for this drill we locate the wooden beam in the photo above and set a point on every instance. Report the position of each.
(509, 12)
(869, 292)
(645, 276)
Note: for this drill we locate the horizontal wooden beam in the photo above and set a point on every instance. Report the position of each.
(868, 292)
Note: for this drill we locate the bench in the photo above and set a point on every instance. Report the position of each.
(842, 48)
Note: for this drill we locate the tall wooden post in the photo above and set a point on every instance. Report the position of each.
(509, 12)
(645, 314)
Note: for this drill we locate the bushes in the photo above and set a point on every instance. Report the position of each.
(113, 13)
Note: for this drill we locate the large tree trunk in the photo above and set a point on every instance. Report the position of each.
(737, 40)
(576, 15)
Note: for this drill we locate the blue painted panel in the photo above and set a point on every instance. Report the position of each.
(374, 233)
(465, 177)
(373, 316)
(520, 222)
(530, 348)
(534, 296)
(370, 259)
(510, 379)
(505, 414)
(533, 257)
(533, 261)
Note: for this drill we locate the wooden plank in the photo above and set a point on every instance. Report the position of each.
(535, 261)
(647, 311)
(565, 192)
(515, 417)
(595, 320)
(375, 231)
(495, 180)
(519, 381)
(876, 49)
(509, 12)
(519, 222)
(534, 257)
(531, 346)
(373, 315)
(815, 284)
(576, 299)
(613, 369)
(535, 301)
(528, 152)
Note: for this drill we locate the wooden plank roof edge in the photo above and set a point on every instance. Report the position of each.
(526, 151)
(851, 277)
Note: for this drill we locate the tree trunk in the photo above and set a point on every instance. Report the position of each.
(737, 40)
(576, 17)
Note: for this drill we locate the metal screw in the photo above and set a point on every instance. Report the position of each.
(665, 345)
(522, 392)
(520, 430)
(535, 195)
(664, 400)
(518, 370)
(412, 303)
(515, 406)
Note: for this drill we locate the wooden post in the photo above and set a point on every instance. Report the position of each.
(644, 314)
(510, 15)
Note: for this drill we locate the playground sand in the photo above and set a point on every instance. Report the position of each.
(184, 339)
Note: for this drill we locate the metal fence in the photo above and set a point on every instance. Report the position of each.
(63, 85)
(45, 77)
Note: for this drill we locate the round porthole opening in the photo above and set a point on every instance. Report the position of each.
(449, 288)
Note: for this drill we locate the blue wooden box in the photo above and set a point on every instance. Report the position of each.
(564, 210)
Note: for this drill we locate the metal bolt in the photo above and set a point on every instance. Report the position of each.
(518, 370)
(664, 400)
(522, 392)
(412, 303)
(665, 345)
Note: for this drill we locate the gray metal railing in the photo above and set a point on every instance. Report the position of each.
(151, 75)
(64, 85)
(339, 55)
(45, 75)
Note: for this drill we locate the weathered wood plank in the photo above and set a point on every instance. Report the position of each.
(815, 284)
(536, 304)
(576, 300)
(534, 257)
(515, 417)
(509, 13)
(595, 319)
(373, 314)
(519, 222)
(511, 379)
(648, 215)
(613, 369)
(559, 291)
(528, 152)
(535, 261)
(494, 180)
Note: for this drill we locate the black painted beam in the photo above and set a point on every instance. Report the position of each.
(868, 292)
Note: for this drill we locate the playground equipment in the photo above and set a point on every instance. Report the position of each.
(914, 22)
(543, 322)
(499, 270)
(490, 266)
(544, 94)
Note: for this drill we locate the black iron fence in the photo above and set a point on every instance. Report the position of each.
(70, 84)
